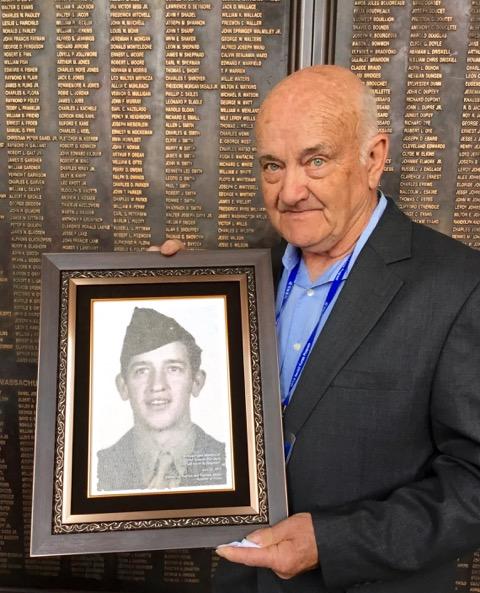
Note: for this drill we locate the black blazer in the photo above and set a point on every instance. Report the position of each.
(387, 422)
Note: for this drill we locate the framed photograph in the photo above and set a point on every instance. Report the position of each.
(158, 412)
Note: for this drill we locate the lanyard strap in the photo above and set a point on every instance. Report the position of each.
(302, 359)
(288, 288)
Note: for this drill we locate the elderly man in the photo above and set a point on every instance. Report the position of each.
(379, 343)
(160, 372)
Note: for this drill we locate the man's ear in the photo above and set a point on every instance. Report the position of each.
(376, 157)
(121, 386)
(198, 382)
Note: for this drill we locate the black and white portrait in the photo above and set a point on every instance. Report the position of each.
(160, 402)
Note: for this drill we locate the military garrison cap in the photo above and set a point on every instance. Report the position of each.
(148, 329)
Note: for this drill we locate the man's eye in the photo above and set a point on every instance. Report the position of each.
(140, 371)
(272, 167)
(174, 369)
(317, 162)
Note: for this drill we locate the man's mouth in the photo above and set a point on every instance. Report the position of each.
(158, 403)
(298, 214)
(284, 210)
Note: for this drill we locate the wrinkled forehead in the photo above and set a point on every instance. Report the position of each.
(335, 86)
(307, 112)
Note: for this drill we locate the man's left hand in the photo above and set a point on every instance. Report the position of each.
(168, 247)
(288, 548)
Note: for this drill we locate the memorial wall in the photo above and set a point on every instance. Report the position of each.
(422, 58)
(122, 123)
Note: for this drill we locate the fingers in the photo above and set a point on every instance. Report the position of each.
(283, 531)
(277, 558)
(264, 537)
(262, 558)
(280, 558)
(169, 247)
(288, 548)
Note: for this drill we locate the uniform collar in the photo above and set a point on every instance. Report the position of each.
(147, 451)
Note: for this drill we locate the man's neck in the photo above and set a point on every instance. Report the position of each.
(318, 262)
(173, 436)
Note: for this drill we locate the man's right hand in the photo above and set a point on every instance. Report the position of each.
(169, 247)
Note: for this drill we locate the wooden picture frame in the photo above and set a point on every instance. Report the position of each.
(91, 306)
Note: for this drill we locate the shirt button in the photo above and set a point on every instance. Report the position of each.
(297, 346)
(310, 292)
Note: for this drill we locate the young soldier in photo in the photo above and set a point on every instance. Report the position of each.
(160, 371)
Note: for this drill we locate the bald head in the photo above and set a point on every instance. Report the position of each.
(321, 158)
(322, 91)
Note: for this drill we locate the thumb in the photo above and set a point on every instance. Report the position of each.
(169, 247)
(262, 537)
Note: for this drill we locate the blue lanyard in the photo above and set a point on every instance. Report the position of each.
(288, 288)
(337, 281)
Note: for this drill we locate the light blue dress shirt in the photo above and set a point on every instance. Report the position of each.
(303, 307)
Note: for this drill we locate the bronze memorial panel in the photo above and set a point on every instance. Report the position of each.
(122, 122)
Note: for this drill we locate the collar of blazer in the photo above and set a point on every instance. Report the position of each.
(370, 289)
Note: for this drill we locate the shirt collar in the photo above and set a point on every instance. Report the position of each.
(292, 253)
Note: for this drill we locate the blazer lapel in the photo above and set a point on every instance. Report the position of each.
(369, 289)
(277, 252)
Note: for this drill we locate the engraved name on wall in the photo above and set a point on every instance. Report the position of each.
(122, 123)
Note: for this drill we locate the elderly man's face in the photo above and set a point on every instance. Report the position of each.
(159, 384)
(314, 184)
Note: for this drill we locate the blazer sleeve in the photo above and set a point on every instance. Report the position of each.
(431, 521)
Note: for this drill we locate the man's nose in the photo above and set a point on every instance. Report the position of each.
(294, 187)
(157, 380)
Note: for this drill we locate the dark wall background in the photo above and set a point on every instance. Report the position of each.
(122, 123)
(126, 122)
